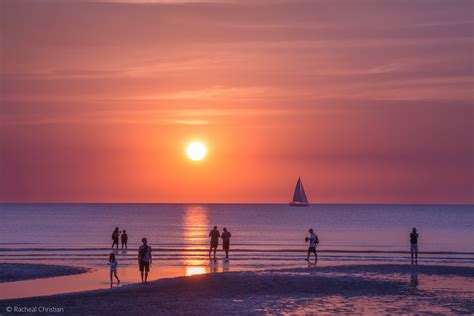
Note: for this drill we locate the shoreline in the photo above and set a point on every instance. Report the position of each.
(13, 272)
(237, 250)
(292, 290)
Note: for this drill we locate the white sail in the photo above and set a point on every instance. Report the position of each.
(300, 196)
(297, 194)
(304, 199)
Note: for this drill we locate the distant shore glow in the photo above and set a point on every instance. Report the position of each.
(196, 151)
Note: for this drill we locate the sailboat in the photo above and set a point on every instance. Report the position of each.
(299, 197)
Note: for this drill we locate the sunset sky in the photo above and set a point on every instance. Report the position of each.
(367, 101)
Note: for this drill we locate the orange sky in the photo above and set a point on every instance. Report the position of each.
(367, 101)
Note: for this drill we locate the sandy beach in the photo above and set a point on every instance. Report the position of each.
(375, 289)
(10, 272)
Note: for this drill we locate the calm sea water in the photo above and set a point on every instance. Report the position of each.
(262, 235)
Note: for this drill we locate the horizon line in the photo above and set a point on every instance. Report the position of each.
(226, 203)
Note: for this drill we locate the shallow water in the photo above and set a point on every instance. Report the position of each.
(406, 290)
(263, 236)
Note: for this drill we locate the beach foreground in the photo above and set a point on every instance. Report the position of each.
(384, 288)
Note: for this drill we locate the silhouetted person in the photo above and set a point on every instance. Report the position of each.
(115, 237)
(313, 241)
(144, 259)
(414, 246)
(113, 268)
(124, 239)
(226, 241)
(214, 234)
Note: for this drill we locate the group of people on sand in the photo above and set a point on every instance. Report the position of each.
(116, 234)
(144, 262)
(145, 257)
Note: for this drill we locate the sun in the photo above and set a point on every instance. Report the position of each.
(196, 151)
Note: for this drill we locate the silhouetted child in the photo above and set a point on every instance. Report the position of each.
(113, 268)
(124, 239)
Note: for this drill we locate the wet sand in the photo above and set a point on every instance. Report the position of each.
(365, 289)
(10, 272)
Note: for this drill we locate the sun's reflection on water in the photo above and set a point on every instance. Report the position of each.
(195, 270)
(196, 225)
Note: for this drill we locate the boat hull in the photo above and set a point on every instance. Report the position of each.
(298, 204)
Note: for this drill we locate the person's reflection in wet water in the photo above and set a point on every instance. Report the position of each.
(213, 265)
(226, 266)
(414, 279)
(312, 265)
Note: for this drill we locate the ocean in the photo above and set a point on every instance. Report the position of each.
(264, 236)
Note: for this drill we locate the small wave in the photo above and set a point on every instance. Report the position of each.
(234, 250)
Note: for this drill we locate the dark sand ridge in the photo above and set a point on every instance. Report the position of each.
(322, 289)
(23, 271)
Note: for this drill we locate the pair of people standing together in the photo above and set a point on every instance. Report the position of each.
(115, 238)
(214, 234)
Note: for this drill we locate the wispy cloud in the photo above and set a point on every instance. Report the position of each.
(161, 1)
(190, 122)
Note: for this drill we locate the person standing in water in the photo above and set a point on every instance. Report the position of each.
(414, 246)
(313, 241)
(226, 241)
(144, 259)
(214, 234)
(115, 237)
(113, 269)
(124, 239)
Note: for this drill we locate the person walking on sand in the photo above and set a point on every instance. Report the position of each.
(313, 242)
(214, 234)
(226, 242)
(124, 239)
(414, 246)
(115, 237)
(113, 269)
(144, 259)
